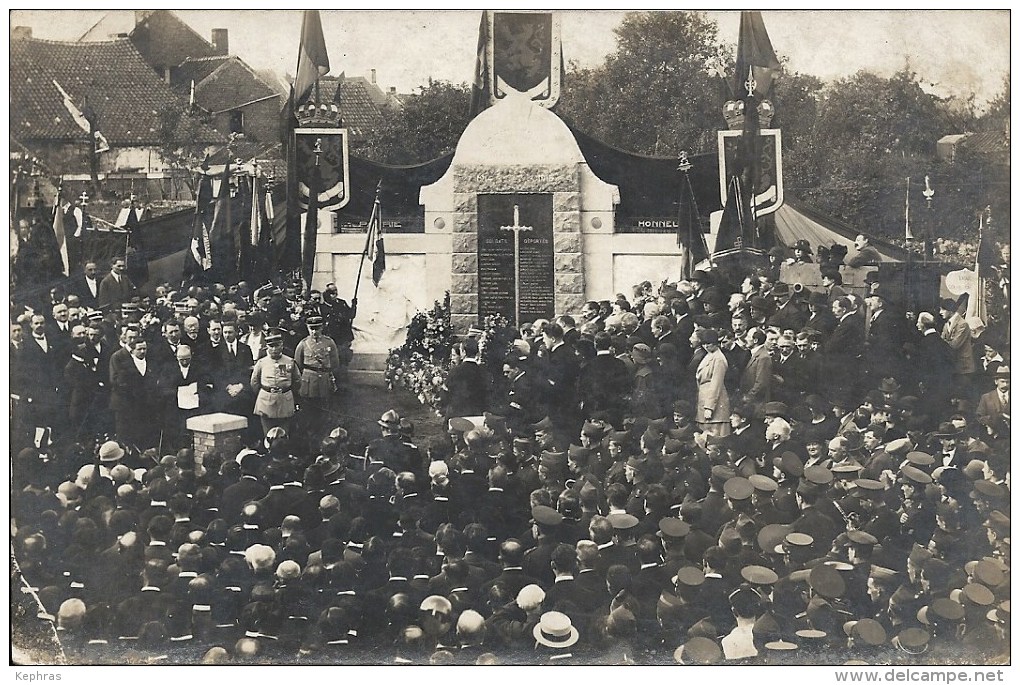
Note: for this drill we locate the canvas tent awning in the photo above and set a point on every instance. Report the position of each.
(797, 220)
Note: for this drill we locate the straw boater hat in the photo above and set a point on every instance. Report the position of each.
(555, 630)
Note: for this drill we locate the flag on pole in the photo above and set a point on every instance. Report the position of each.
(76, 114)
(375, 247)
(732, 225)
(906, 212)
(313, 62)
(756, 60)
(201, 243)
(481, 88)
(58, 232)
(689, 235)
(977, 305)
(311, 227)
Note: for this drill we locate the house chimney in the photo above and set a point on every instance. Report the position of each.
(21, 33)
(373, 77)
(393, 90)
(220, 42)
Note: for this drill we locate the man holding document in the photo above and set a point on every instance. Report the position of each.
(185, 390)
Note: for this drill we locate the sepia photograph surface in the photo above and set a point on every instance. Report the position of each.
(524, 337)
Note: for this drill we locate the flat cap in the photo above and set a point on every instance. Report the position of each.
(763, 483)
(673, 528)
(698, 651)
(546, 516)
(826, 581)
(759, 575)
(623, 521)
(819, 475)
(861, 537)
(738, 488)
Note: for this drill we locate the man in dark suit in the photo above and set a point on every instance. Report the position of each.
(843, 348)
(931, 359)
(164, 350)
(756, 381)
(133, 386)
(604, 382)
(231, 369)
(86, 287)
(562, 370)
(116, 288)
(820, 314)
(185, 390)
(88, 385)
(467, 384)
(42, 361)
(884, 342)
(59, 327)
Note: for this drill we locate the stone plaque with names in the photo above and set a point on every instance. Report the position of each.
(506, 267)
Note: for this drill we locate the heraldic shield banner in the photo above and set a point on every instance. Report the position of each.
(769, 198)
(525, 55)
(322, 163)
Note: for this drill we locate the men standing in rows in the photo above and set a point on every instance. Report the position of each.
(318, 358)
(274, 379)
(116, 288)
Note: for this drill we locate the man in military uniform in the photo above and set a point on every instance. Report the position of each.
(319, 361)
(273, 379)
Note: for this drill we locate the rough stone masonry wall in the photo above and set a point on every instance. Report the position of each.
(563, 181)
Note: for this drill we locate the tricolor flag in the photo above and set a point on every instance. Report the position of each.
(201, 243)
(374, 244)
(313, 62)
(58, 232)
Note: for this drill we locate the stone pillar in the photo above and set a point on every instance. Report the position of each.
(217, 432)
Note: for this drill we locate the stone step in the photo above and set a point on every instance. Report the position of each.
(369, 377)
(368, 362)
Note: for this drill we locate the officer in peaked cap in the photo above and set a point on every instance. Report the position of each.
(318, 357)
(274, 379)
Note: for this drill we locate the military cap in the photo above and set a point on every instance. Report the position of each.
(495, 423)
(703, 628)
(920, 458)
(698, 651)
(437, 604)
(974, 593)
(790, 464)
(623, 521)
(898, 447)
(95, 315)
(919, 554)
(986, 489)
(592, 429)
(840, 565)
(819, 475)
(772, 536)
(522, 441)
(689, 576)
(760, 303)
(762, 483)
(619, 437)
(796, 539)
(546, 516)
(672, 446)
(999, 614)
(720, 474)
(945, 608)
(869, 485)
(826, 581)
(738, 488)
(988, 573)
(846, 470)
(860, 537)
(577, 452)
(914, 474)
(998, 522)
(274, 336)
(867, 630)
(673, 528)
(758, 575)
(638, 463)
(811, 635)
(912, 640)
(461, 425)
(314, 321)
(681, 432)
(588, 492)
(553, 459)
(545, 424)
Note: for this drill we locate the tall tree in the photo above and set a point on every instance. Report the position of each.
(661, 76)
(428, 126)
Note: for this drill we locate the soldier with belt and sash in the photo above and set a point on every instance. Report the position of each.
(318, 358)
(273, 379)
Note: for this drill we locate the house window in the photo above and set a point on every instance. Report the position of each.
(237, 122)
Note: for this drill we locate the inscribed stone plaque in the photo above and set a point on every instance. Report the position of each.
(497, 292)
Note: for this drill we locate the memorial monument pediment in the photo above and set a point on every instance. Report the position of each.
(515, 198)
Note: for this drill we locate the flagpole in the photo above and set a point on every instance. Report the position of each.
(368, 237)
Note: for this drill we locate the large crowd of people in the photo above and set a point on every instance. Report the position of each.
(706, 472)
